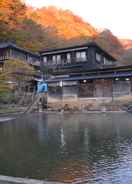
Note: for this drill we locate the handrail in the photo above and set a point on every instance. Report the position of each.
(35, 101)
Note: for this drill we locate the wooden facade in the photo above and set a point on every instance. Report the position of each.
(76, 59)
(11, 51)
(76, 73)
(85, 72)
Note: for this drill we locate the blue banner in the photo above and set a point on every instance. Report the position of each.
(42, 87)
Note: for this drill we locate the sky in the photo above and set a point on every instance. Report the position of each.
(115, 15)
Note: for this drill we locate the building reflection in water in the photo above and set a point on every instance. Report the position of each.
(42, 126)
(62, 137)
(68, 148)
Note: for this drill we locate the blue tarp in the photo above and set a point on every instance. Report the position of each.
(42, 87)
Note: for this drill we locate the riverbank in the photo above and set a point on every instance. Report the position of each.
(120, 105)
(10, 108)
(5, 116)
(92, 105)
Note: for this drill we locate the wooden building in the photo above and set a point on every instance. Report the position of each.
(11, 51)
(84, 72)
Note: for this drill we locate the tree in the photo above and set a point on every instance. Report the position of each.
(12, 12)
(15, 71)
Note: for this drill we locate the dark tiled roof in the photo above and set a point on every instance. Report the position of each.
(12, 45)
(90, 44)
(91, 77)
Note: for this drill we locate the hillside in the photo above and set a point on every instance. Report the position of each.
(70, 29)
(127, 44)
(67, 25)
(110, 42)
(50, 27)
(126, 57)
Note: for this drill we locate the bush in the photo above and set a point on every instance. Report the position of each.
(7, 98)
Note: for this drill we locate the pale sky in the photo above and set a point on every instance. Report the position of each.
(115, 15)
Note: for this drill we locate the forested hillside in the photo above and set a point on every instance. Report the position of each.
(50, 27)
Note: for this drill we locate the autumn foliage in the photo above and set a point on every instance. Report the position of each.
(67, 25)
(12, 12)
(50, 27)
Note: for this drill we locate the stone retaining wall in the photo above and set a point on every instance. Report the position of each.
(78, 103)
(90, 104)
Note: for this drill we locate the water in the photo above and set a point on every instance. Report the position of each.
(2, 119)
(69, 148)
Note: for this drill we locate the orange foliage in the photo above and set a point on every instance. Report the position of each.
(67, 25)
(48, 27)
(12, 12)
(127, 44)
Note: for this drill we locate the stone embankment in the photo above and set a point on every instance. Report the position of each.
(91, 105)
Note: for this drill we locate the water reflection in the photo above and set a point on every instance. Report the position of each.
(79, 148)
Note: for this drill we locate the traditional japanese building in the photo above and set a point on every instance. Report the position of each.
(84, 72)
(11, 51)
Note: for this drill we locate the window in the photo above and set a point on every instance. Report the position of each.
(49, 60)
(68, 58)
(81, 56)
(2, 57)
(45, 60)
(78, 55)
(56, 59)
(98, 57)
(1, 68)
(7, 54)
(107, 62)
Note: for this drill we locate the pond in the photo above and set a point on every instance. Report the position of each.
(69, 148)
